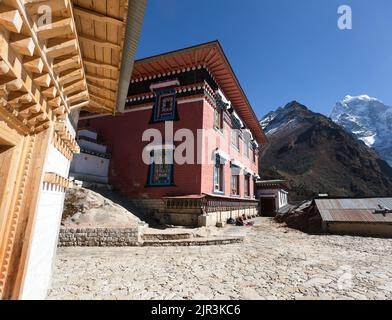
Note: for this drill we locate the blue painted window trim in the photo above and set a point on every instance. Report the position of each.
(155, 110)
(151, 168)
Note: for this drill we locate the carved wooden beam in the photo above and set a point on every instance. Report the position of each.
(77, 97)
(55, 179)
(79, 105)
(33, 64)
(43, 80)
(19, 98)
(78, 86)
(62, 49)
(22, 44)
(11, 19)
(58, 28)
(55, 103)
(66, 64)
(71, 76)
(4, 67)
(50, 92)
(32, 6)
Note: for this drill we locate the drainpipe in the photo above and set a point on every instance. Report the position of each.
(136, 9)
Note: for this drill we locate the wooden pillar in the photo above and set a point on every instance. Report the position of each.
(23, 157)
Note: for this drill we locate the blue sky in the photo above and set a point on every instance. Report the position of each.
(284, 50)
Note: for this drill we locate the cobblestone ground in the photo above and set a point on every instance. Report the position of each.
(273, 263)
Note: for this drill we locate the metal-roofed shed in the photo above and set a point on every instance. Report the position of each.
(362, 217)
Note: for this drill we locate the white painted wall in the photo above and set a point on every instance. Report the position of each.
(87, 133)
(43, 246)
(45, 230)
(90, 168)
(281, 196)
(56, 162)
(91, 146)
(283, 200)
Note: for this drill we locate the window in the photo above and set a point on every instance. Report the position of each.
(247, 141)
(161, 168)
(254, 187)
(235, 138)
(255, 150)
(218, 177)
(246, 148)
(235, 184)
(218, 119)
(247, 186)
(165, 106)
(236, 126)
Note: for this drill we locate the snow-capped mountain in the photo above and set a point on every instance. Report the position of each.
(369, 120)
(316, 155)
(286, 117)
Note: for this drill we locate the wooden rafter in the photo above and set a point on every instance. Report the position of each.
(95, 16)
(11, 19)
(98, 64)
(33, 64)
(71, 76)
(32, 6)
(100, 78)
(59, 28)
(63, 48)
(99, 43)
(66, 64)
(100, 88)
(45, 51)
(22, 44)
(77, 86)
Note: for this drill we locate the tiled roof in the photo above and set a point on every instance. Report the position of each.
(212, 56)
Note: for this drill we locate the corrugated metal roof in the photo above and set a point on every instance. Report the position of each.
(354, 210)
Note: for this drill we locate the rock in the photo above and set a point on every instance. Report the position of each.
(84, 208)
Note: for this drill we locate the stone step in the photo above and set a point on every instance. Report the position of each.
(193, 242)
(166, 236)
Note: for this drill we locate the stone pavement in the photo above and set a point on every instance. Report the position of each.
(273, 263)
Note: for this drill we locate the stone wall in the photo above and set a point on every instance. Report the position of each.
(99, 237)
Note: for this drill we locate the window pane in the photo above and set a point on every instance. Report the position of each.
(235, 185)
(218, 177)
(247, 186)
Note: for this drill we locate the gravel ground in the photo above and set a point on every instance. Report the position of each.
(273, 263)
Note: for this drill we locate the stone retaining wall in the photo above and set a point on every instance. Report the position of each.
(99, 237)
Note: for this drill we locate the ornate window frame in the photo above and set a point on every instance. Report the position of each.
(152, 167)
(157, 114)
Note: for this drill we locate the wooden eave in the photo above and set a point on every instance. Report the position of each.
(72, 62)
(101, 27)
(211, 56)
